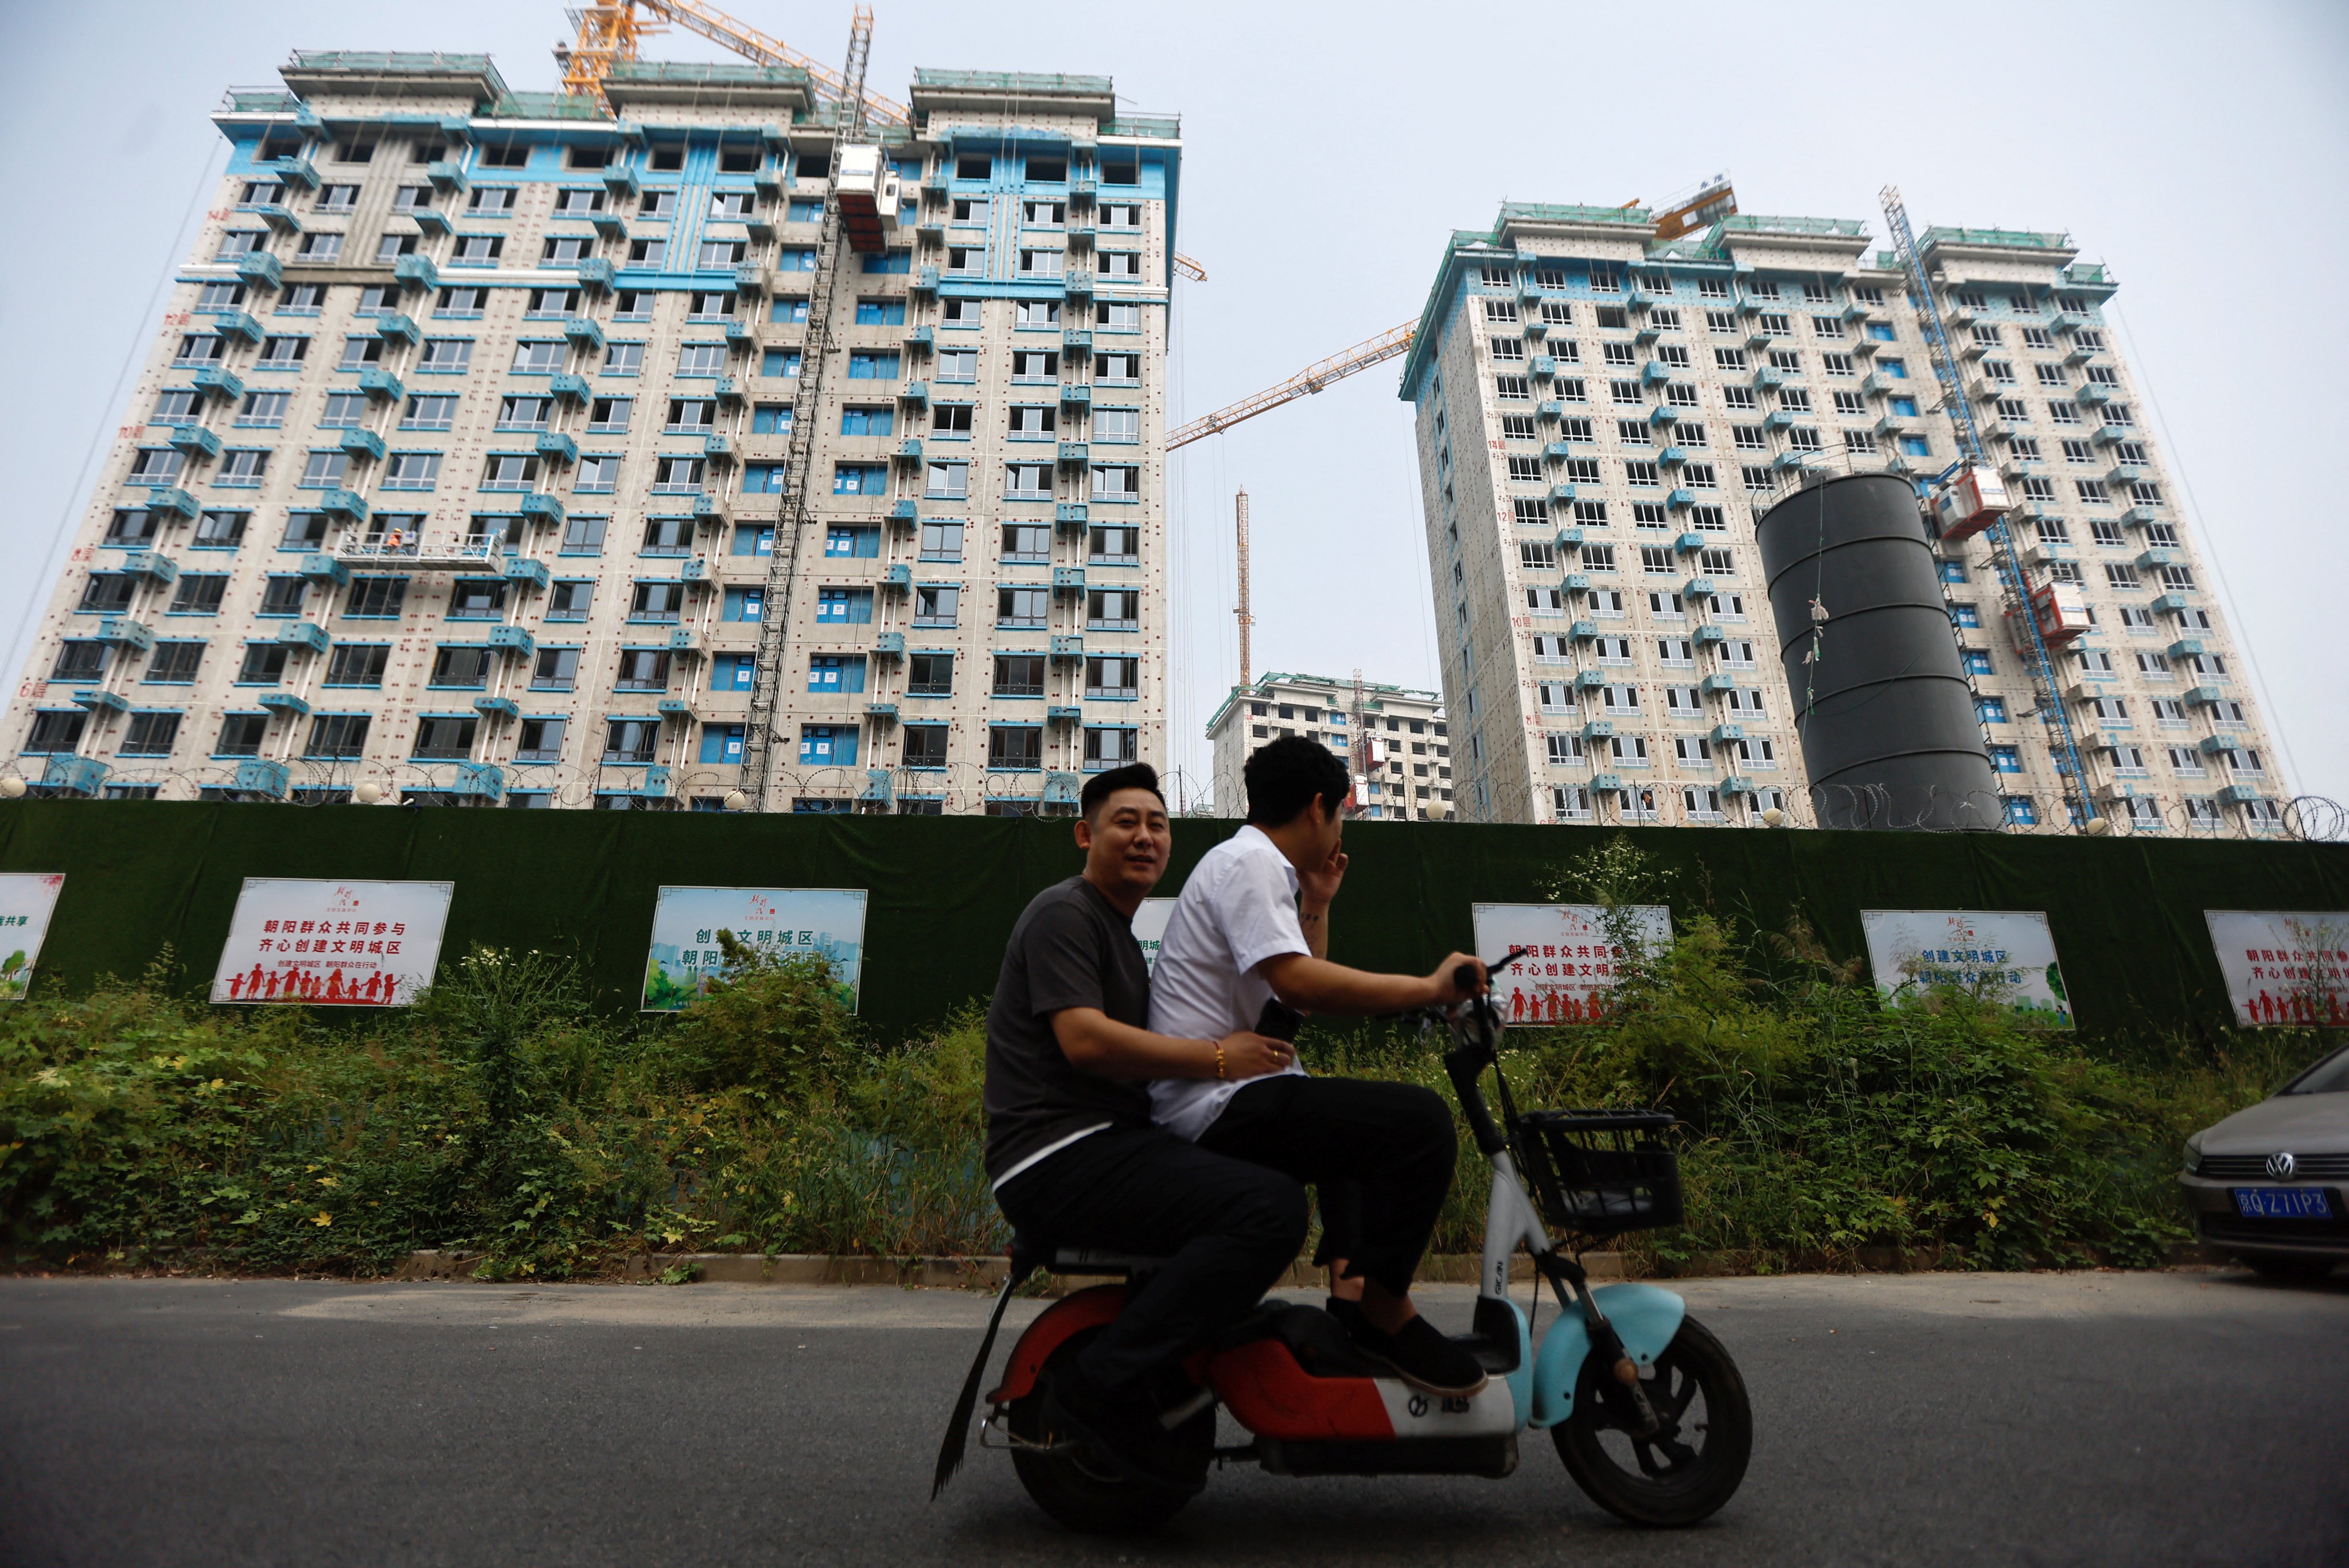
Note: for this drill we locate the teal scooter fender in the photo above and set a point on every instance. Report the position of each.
(1645, 1319)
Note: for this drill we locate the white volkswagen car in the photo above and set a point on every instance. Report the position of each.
(2268, 1183)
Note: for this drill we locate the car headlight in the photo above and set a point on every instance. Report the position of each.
(2194, 1155)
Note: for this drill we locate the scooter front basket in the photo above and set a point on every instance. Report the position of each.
(1600, 1172)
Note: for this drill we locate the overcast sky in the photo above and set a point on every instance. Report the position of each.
(2198, 152)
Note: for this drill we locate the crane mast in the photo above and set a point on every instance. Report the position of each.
(2015, 585)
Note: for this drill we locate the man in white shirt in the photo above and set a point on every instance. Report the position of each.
(1251, 927)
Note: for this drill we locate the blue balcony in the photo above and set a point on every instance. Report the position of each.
(514, 640)
(1797, 458)
(393, 327)
(383, 384)
(897, 576)
(1758, 340)
(285, 705)
(1551, 408)
(1717, 683)
(446, 174)
(2109, 435)
(1067, 647)
(1558, 451)
(545, 508)
(696, 571)
(729, 390)
(1776, 419)
(1535, 329)
(1061, 714)
(296, 171)
(237, 324)
(1577, 583)
(904, 511)
(481, 781)
(1078, 284)
(278, 216)
(889, 644)
(2186, 648)
(2067, 322)
(213, 381)
(345, 504)
(684, 642)
(1560, 494)
(74, 775)
(1705, 635)
(908, 450)
(122, 632)
(620, 180)
(302, 636)
(750, 280)
(497, 706)
(1680, 499)
(1654, 372)
(416, 272)
(739, 335)
(362, 444)
(881, 712)
(706, 509)
(925, 281)
(1068, 579)
(1607, 783)
(2151, 559)
(1570, 536)
(325, 570)
(196, 441)
(1598, 730)
(253, 777)
(1722, 732)
(1060, 789)
(1765, 378)
(1689, 543)
(657, 785)
(675, 708)
(917, 393)
(1076, 395)
(556, 447)
(105, 702)
(718, 449)
(1662, 415)
(570, 388)
(1876, 384)
(1583, 631)
(261, 268)
(153, 564)
(1672, 457)
(1071, 514)
(1737, 784)
(921, 339)
(875, 790)
(2216, 745)
(1589, 680)
(597, 273)
(2127, 474)
(2093, 394)
(2205, 696)
(1697, 588)
(1075, 454)
(2238, 794)
(1545, 367)
(172, 498)
(585, 331)
(608, 225)
(1648, 333)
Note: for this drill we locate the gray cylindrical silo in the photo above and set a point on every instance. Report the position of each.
(1890, 739)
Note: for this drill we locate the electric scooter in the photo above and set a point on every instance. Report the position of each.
(1647, 1410)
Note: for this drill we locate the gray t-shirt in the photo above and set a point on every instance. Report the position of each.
(1070, 949)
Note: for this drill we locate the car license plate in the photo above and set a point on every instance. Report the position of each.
(2282, 1203)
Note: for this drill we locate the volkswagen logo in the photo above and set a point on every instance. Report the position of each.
(2282, 1165)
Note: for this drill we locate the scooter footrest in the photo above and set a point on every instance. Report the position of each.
(1492, 1457)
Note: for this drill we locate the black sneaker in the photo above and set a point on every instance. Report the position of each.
(1418, 1353)
(1122, 1433)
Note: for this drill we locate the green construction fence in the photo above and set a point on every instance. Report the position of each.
(2126, 912)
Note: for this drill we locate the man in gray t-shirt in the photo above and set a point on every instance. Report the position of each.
(1072, 1154)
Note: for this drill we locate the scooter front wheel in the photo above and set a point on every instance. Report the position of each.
(1676, 1479)
(1074, 1489)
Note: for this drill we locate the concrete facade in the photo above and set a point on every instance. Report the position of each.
(1601, 418)
(1394, 740)
(459, 464)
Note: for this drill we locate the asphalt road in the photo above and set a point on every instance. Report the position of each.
(2186, 1417)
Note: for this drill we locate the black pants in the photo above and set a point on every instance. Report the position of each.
(1229, 1229)
(1380, 1155)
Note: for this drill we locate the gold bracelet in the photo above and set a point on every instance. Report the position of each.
(1220, 1057)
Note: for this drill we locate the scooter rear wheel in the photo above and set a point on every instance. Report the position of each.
(1075, 1490)
(1678, 1481)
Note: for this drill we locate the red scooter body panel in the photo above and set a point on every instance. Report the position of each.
(1273, 1396)
(1071, 1315)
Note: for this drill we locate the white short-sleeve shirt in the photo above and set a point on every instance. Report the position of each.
(1237, 908)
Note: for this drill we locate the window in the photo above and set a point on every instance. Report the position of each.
(446, 355)
(357, 664)
(642, 669)
(1018, 674)
(411, 470)
(631, 740)
(1113, 610)
(1015, 746)
(1113, 677)
(555, 669)
(1027, 542)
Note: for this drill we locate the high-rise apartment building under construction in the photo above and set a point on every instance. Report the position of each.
(1602, 415)
(635, 449)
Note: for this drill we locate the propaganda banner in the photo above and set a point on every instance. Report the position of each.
(1150, 928)
(1570, 972)
(332, 944)
(27, 900)
(2283, 967)
(780, 922)
(2006, 952)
